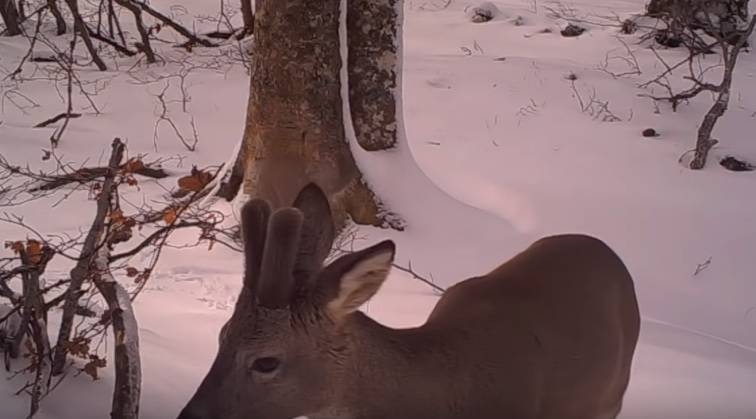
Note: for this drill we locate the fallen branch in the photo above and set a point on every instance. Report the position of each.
(221, 34)
(128, 372)
(89, 174)
(57, 118)
(702, 267)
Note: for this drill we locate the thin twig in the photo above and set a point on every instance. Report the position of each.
(419, 277)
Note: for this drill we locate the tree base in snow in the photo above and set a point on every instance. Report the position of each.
(296, 127)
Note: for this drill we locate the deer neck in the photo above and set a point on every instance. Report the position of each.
(394, 372)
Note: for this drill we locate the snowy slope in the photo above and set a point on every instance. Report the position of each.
(497, 154)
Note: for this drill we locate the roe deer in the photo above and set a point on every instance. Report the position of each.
(548, 335)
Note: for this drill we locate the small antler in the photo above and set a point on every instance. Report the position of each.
(317, 234)
(254, 225)
(276, 274)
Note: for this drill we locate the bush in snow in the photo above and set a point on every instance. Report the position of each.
(629, 27)
(735, 165)
(726, 17)
(518, 21)
(572, 31)
(484, 12)
(650, 132)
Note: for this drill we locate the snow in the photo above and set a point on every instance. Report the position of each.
(494, 153)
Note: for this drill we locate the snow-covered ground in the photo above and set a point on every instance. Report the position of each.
(498, 153)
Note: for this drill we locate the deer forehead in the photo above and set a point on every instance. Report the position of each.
(276, 325)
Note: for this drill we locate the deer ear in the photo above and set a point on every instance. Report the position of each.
(352, 280)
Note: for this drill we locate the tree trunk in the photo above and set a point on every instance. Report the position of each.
(60, 23)
(295, 131)
(373, 27)
(81, 27)
(248, 16)
(145, 46)
(704, 142)
(10, 17)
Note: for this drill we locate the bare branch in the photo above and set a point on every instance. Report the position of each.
(420, 278)
(193, 39)
(89, 251)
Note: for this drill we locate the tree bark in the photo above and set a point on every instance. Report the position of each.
(127, 365)
(373, 28)
(35, 316)
(10, 17)
(231, 182)
(295, 124)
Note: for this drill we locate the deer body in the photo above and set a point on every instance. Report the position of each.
(529, 340)
(548, 335)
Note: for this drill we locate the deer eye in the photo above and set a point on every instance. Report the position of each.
(266, 365)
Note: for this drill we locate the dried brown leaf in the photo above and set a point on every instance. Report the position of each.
(92, 367)
(34, 251)
(15, 246)
(133, 165)
(144, 276)
(116, 215)
(170, 215)
(79, 347)
(196, 181)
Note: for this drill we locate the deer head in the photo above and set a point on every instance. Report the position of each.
(281, 354)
